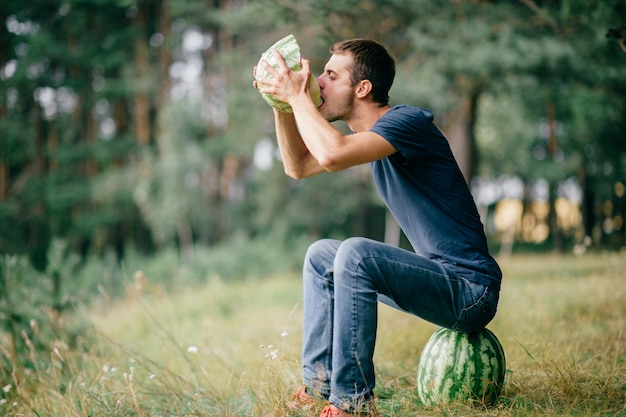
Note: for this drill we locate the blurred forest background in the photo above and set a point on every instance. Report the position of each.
(131, 128)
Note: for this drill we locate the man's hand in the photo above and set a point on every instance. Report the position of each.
(282, 82)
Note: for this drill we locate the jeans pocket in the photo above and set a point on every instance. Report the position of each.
(477, 315)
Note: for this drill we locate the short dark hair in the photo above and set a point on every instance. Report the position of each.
(371, 62)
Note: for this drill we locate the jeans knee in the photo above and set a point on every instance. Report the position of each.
(351, 252)
(354, 245)
(320, 256)
(321, 249)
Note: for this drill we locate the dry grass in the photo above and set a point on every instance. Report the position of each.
(233, 350)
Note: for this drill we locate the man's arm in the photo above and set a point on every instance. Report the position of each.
(297, 160)
(308, 143)
(330, 148)
(322, 147)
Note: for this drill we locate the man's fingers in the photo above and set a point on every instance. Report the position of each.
(254, 83)
(306, 64)
(280, 59)
(275, 79)
(259, 82)
(269, 69)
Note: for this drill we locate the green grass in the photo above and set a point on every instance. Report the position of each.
(225, 349)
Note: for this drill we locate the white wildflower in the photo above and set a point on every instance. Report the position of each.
(192, 349)
(57, 353)
(272, 355)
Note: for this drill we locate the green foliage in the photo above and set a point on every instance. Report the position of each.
(33, 304)
(71, 71)
(39, 307)
(240, 258)
(345, 205)
(168, 191)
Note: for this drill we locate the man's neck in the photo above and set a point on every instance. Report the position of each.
(364, 118)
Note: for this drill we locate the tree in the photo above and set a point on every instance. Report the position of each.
(105, 140)
(568, 126)
(63, 64)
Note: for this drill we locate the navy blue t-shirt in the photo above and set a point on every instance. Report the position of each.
(424, 189)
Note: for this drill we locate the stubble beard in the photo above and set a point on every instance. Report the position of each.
(340, 110)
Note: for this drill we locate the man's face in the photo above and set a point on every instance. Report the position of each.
(336, 88)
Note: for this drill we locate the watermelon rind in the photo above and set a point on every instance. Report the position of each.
(290, 50)
(457, 367)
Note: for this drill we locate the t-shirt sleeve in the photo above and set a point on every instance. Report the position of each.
(410, 130)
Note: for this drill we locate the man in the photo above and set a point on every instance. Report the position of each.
(450, 279)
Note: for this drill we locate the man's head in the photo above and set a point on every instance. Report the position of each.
(372, 62)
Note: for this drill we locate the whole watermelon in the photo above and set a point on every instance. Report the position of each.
(290, 50)
(459, 367)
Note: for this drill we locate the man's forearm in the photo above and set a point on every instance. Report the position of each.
(297, 159)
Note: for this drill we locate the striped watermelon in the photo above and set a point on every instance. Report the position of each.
(458, 367)
(290, 50)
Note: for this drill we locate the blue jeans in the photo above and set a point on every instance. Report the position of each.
(342, 283)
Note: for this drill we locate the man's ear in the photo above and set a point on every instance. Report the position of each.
(363, 88)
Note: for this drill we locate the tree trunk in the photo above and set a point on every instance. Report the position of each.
(4, 167)
(459, 127)
(555, 230)
(392, 230)
(7, 305)
(142, 99)
(165, 56)
(91, 168)
(53, 144)
(587, 206)
(4, 53)
(4, 180)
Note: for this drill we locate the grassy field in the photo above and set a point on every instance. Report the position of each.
(233, 349)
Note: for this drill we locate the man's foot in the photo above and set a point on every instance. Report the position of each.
(300, 401)
(332, 411)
